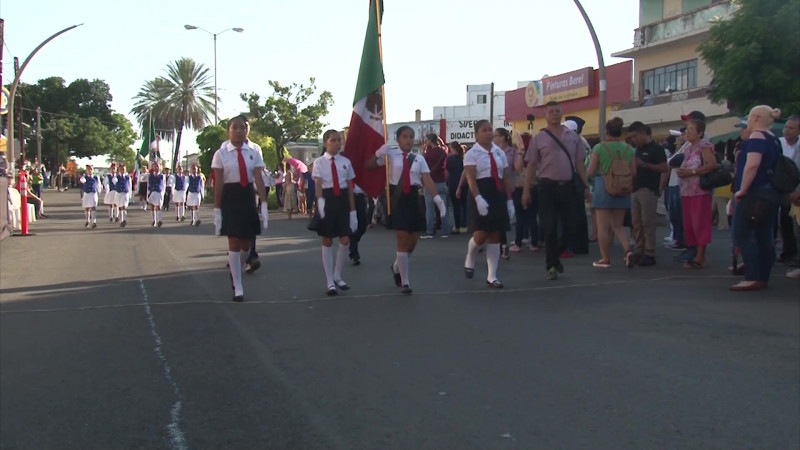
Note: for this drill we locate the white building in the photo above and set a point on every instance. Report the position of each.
(460, 120)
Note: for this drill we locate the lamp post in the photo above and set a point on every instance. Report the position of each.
(601, 129)
(236, 29)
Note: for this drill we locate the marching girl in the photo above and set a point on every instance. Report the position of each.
(237, 174)
(122, 188)
(336, 206)
(90, 185)
(491, 211)
(141, 178)
(408, 172)
(179, 194)
(194, 194)
(155, 197)
(110, 193)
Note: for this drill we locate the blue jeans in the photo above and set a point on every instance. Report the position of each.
(527, 224)
(430, 211)
(757, 244)
(675, 211)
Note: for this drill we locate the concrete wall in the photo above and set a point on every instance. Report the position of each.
(5, 228)
(683, 51)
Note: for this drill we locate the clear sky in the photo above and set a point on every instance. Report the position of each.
(432, 48)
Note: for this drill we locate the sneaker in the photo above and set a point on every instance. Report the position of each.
(668, 238)
(566, 254)
(445, 236)
(793, 274)
(252, 266)
(463, 229)
(159, 223)
(86, 225)
(94, 224)
(426, 236)
(153, 224)
(504, 253)
(406, 289)
(552, 274)
(515, 248)
(602, 264)
(533, 248)
(123, 223)
(675, 246)
(629, 259)
(526, 241)
(646, 261)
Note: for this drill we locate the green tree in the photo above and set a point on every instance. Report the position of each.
(754, 56)
(289, 114)
(211, 138)
(121, 140)
(183, 98)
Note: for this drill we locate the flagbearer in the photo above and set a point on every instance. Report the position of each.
(408, 172)
(336, 207)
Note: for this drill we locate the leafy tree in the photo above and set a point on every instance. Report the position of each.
(211, 138)
(754, 56)
(289, 114)
(183, 98)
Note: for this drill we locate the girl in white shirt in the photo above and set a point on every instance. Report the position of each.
(408, 172)
(491, 208)
(237, 173)
(179, 193)
(336, 207)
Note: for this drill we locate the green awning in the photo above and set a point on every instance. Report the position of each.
(777, 129)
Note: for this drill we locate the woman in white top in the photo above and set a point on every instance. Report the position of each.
(237, 171)
(408, 172)
(491, 208)
(336, 207)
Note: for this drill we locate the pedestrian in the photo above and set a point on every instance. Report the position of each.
(122, 188)
(141, 176)
(435, 155)
(651, 163)
(757, 201)
(110, 194)
(311, 192)
(491, 207)
(408, 173)
(527, 226)
(552, 156)
(333, 177)
(699, 160)
(280, 177)
(790, 145)
(454, 167)
(155, 193)
(612, 170)
(90, 184)
(674, 207)
(237, 167)
(194, 193)
(170, 184)
(502, 139)
(290, 193)
(179, 193)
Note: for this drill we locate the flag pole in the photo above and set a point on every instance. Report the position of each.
(383, 107)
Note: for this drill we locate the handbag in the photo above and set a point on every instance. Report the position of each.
(757, 210)
(721, 176)
(576, 179)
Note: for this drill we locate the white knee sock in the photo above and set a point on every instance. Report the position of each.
(110, 212)
(402, 263)
(396, 265)
(472, 251)
(194, 215)
(158, 215)
(93, 215)
(88, 216)
(341, 255)
(243, 257)
(154, 215)
(123, 215)
(327, 262)
(492, 260)
(234, 262)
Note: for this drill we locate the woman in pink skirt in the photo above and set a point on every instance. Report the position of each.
(699, 160)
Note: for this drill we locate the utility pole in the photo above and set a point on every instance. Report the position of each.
(21, 132)
(39, 134)
(491, 106)
(2, 42)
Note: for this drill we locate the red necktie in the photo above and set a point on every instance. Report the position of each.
(406, 175)
(242, 168)
(335, 175)
(495, 175)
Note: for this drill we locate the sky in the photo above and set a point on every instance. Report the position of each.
(432, 49)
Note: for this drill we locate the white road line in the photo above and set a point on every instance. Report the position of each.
(176, 437)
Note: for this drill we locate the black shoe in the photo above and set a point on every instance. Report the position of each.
(398, 281)
(342, 285)
(238, 298)
(332, 291)
(197, 223)
(159, 224)
(504, 253)
(560, 267)
(469, 273)
(406, 290)
(646, 261)
(123, 223)
(94, 224)
(494, 284)
(356, 259)
(252, 266)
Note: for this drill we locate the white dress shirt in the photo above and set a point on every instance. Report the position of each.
(418, 167)
(790, 151)
(170, 181)
(227, 159)
(479, 157)
(322, 172)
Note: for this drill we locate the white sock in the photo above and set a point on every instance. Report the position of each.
(341, 255)
(158, 215)
(472, 250)
(124, 214)
(236, 272)
(87, 215)
(492, 260)
(111, 212)
(93, 215)
(396, 265)
(243, 257)
(327, 262)
(402, 263)
(194, 215)
(154, 215)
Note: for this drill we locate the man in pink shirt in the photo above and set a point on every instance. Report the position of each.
(435, 156)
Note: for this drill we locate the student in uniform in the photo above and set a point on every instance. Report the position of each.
(122, 186)
(179, 194)
(141, 178)
(333, 177)
(168, 189)
(408, 173)
(155, 193)
(237, 170)
(194, 194)
(491, 184)
(110, 193)
(90, 185)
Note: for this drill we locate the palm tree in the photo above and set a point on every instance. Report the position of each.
(184, 98)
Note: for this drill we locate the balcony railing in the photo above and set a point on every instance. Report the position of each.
(672, 97)
(684, 24)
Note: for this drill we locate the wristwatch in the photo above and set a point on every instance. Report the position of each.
(694, 171)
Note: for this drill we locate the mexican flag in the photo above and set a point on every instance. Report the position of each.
(366, 134)
(148, 136)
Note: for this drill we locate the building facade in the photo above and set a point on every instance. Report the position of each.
(457, 123)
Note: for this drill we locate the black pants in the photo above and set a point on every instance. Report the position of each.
(555, 205)
(279, 194)
(167, 198)
(253, 255)
(362, 213)
(459, 207)
(787, 232)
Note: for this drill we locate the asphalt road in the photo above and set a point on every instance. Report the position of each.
(126, 338)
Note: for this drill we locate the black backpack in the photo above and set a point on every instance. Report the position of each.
(785, 176)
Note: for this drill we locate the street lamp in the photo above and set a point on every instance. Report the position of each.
(236, 29)
(601, 68)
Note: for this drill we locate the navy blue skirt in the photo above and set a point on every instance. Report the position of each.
(337, 214)
(497, 220)
(408, 210)
(239, 213)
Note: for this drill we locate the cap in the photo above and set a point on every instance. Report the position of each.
(742, 124)
(579, 121)
(674, 133)
(694, 115)
(571, 124)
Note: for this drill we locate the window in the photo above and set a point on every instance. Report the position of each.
(482, 99)
(674, 77)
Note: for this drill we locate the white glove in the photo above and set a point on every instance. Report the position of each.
(483, 207)
(82, 180)
(512, 212)
(321, 207)
(217, 221)
(264, 216)
(353, 221)
(440, 204)
(114, 180)
(381, 152)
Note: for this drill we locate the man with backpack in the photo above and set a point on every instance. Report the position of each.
(651, 162)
